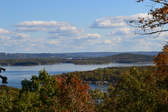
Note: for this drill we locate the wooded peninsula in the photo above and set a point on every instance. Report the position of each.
(119, 58)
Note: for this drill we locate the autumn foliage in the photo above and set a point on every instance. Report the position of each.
(136, 90)
(161, 63)
(156, 20)
(141, 90)
(74, 94)
(46, 93)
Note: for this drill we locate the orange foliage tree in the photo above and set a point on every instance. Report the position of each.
(74, 94)
(161, 66)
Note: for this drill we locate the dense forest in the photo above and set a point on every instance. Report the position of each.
(110, 74)
(120, 58)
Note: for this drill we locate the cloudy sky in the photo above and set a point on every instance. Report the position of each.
(59, 26)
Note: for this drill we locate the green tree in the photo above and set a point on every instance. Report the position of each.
(136, 91)
(97, 97)
(54, 93)
(8, 97)
(40, 92)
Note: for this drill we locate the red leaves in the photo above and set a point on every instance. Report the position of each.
(73, 93)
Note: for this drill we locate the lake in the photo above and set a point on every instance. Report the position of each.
(16, 74)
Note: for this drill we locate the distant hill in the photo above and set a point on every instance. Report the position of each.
(152, 53)
(80, 55)
(120, 58)
(131, 58)
(39, 59)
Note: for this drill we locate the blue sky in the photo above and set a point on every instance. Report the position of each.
(59, 26)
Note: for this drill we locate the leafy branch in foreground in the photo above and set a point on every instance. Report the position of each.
(156, 19)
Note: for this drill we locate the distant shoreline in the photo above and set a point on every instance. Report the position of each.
(75, 64)
(119, 58)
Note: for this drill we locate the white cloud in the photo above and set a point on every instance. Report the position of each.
(4, 38)
(117, 40)
(2, 31)
(66, 31)
(39, 25)
(54, 42)
(67, 38)
(136, 16)
(42, 24)
(109, 22)
(113, 42)
(20, 36)
(30, 29)
(121, 31)
(55, 29)
(93, 42)
(118, 21)
(95, 35)
(73, 32)
(107, 41)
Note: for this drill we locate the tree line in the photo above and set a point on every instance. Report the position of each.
(120, 58)
(111, 74)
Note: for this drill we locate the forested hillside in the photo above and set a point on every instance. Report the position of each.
(120, 58)
(80, 55)
(110, 74)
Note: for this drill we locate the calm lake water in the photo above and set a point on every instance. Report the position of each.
(16, 74)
